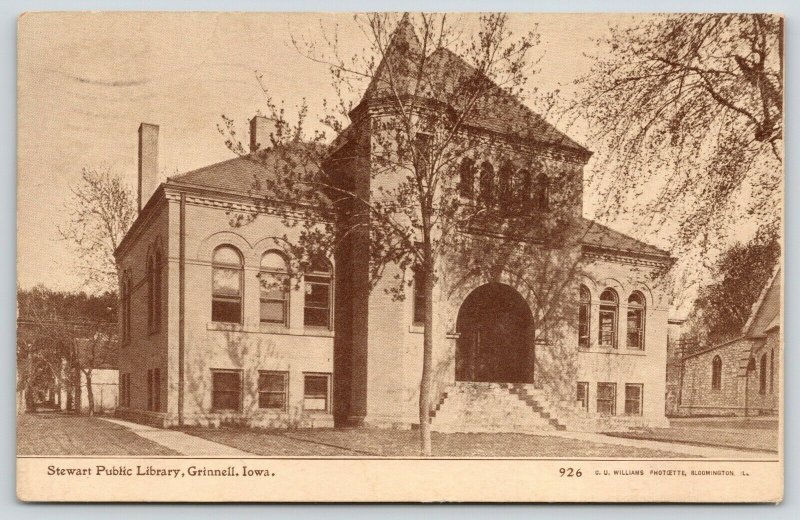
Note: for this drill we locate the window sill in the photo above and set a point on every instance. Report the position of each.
(416, 328)
(231, 327)
(264, 328)
(609, 350)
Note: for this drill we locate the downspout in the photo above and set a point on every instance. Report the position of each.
(181, 304)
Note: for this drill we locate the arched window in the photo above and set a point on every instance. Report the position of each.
(636, 316)
(762, 375)
(226, 292)
(505, 186)
(541, 197)
(716, 373)
(318, 295)
(466, 179)
(607, 329)
(274, 282)
(486, 185)
(521, 189)
(126, 307)
(584, 315)
(154, 303)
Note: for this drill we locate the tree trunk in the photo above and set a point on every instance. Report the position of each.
(427, 368)
(89, 392)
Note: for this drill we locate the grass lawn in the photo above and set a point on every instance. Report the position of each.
(759, 435)
(375, 442)
(56, 434)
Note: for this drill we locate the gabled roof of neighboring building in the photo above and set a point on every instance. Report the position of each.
(765, 314)
(444, 74)
(600, 236)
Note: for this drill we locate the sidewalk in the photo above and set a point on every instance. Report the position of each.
(674, 447)
(181, 442)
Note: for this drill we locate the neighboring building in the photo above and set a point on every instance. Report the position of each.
(741, 376)
(204, 343)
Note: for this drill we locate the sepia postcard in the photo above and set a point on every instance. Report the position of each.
(400, 257)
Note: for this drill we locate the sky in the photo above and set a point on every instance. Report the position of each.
(86, 81)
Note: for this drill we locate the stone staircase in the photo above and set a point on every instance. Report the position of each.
(501, 407)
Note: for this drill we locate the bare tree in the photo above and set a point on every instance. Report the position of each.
(101, 211)
(417, 201)
(685, 112)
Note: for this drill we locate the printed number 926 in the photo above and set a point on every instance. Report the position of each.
(569, 472)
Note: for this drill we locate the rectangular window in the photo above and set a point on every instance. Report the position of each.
(274, 298)
(607, 398)
(273, 390)
(318, 298)
(316, 388)
(583, 395)
(226, 305)
(226, 390)
(608, 327)
(633, 399)
(419, 297)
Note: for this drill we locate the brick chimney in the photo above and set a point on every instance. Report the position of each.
(148, 162)
(260, 128)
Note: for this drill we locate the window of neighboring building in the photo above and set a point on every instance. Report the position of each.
(226, 298)
(274, 282)
(419, 297)
(423, 148)
(607, 330)
(273, 389)
(154, 390)
(772, 371)
(716, 373)
(607, 398)
(466, 179)
(633, 399)
(636, 321)
(316, 389)
(226, 390)
(318, 295)
(583, 395)
(486, 185)
(584, 315)
(762, 375)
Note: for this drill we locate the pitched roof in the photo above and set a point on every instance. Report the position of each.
(238, 174)
(600, 236)
(445, 79)
(765, 313)
(248, 174)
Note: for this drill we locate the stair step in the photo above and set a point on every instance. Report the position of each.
(477, 407)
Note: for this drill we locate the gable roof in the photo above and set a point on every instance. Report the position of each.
(603, 237)
(445, 75)
(766, 311)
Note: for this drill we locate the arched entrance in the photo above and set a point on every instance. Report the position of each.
(494, 330)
